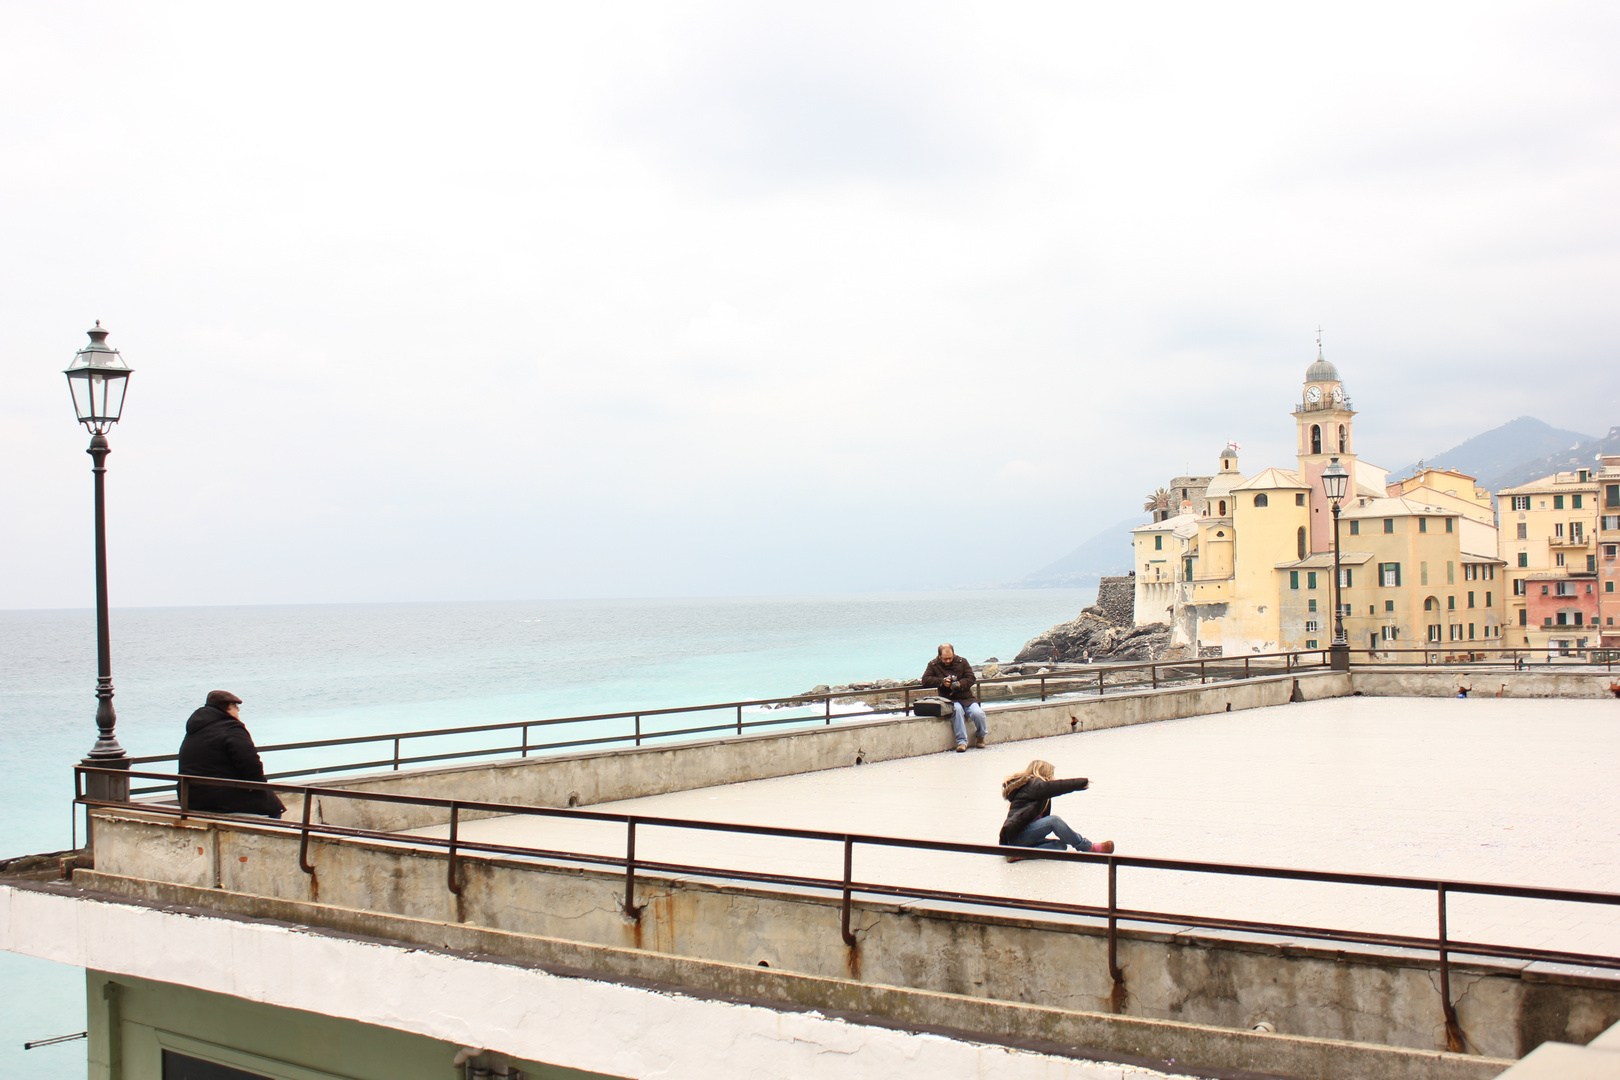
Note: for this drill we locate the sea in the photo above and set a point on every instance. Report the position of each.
(333, 671)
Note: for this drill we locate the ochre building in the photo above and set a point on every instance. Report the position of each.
(1248, 568)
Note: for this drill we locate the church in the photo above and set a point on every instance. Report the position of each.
(1246, 567)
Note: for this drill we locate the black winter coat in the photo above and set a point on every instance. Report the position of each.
(1033, 801)
(217, 744)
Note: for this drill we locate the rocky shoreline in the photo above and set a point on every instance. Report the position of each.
(1099, 635)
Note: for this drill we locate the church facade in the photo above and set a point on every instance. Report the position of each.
(1248, 567)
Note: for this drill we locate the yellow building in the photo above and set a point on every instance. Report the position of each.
(1251, 570)
(1549, 541)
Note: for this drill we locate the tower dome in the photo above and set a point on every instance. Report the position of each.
(1322, 371)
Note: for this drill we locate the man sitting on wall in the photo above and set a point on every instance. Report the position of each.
(217, 743)
(954, 678)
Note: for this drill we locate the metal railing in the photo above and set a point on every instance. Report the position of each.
(1478, 653)
(848, 887)
(1071, 679)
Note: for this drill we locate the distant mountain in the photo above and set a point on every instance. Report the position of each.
(1583, 455)
(1109, 552)
(1505, 451)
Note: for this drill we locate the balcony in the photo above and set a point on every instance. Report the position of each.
(1579, 540)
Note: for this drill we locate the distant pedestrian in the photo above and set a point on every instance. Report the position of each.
(217, 744)
(1030, 822)
(953, 676)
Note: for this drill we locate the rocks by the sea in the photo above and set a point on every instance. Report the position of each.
(1091, 636)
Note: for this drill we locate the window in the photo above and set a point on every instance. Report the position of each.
(1451, 573)
(1564, 588)
(1591, 564)
(1558, 529)
(1158, 543)
(1470, 599)
(1316, 438)
(1187, 567)
(1423, 525)
(1310, 581)
(1519, 586)
(1611, 521)
(1524, 558)
(1344, 440)
(1389, 605)
(1449, 522)
(1389, 574)
(1558, 559)
(1451, 603)
(1355, 528)
(1299, 498)
(1608, 586)
(1372, 609)
(1434, 631)
(1470, 631)
(1487, 599)
(1423, 573)
(1524, 617)
(1222, 505)
(1544, 590)
(1293, 579)
(1563, 619)
(1558, 502)
(1521, 502)
(1261, 501)
(1431, 604)
(1346, 579)
(1389, 525)
(1311, 605)
(1310, 643)
(1299, 542)
(1574, 502)
(1524, 531)
(1310, 626)
(1611, 495)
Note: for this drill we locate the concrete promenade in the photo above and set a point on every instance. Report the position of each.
(1508, 791)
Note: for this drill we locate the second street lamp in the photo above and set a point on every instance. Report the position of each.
(1335, 485)
(97, 378)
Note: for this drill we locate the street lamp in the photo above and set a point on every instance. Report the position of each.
(97, 379)
(1335, 484)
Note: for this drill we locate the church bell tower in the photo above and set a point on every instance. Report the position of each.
(1324, 422)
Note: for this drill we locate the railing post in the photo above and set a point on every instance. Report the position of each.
(1099, 682)
(908, 701)
(303, 834)
(1043, 688)
(185, 795)
(631, 912)
(454, 864)
(525, 740)
(827, 700)
(739, 719)
(849, 872)
(1454, 1040)
(1245, 666)
(1153, 674)
(1116, 998)
(638, 729)
(1200, 672)
(396, 755)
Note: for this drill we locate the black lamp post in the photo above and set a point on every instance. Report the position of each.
(1335, 483)
(97, 379)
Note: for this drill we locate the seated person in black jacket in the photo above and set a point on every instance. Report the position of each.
(217, 743)
(1029, 817)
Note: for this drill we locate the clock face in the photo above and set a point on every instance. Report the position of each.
(1313, 395)
(1338, 395)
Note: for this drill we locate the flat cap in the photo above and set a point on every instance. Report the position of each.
(221, 698)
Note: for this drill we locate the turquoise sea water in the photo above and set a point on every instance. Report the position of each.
(329, 671)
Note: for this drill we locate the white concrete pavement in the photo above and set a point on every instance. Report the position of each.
(1500, 790)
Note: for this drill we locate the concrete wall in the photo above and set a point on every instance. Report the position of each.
(1536, 681)
(1307, 991)
(606, 776)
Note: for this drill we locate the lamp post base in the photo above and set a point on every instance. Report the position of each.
(1339, 656)
(106, 787)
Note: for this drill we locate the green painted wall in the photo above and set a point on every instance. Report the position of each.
(132, 1020)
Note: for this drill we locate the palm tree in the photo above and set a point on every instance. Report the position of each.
(1159, 500)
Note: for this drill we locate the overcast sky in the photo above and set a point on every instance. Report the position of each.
(508, 301)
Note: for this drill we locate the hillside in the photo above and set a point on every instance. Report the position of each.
(1506, 452)
(1109, 552)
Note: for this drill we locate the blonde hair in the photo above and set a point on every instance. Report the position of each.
(1037, 770)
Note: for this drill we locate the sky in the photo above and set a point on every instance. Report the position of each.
(501, 301)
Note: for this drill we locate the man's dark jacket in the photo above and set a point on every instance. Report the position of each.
(218, 744)
(937, 669)
(1033, 801)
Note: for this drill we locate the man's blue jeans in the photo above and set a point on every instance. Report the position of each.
(974, 710)
(1036, 832)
